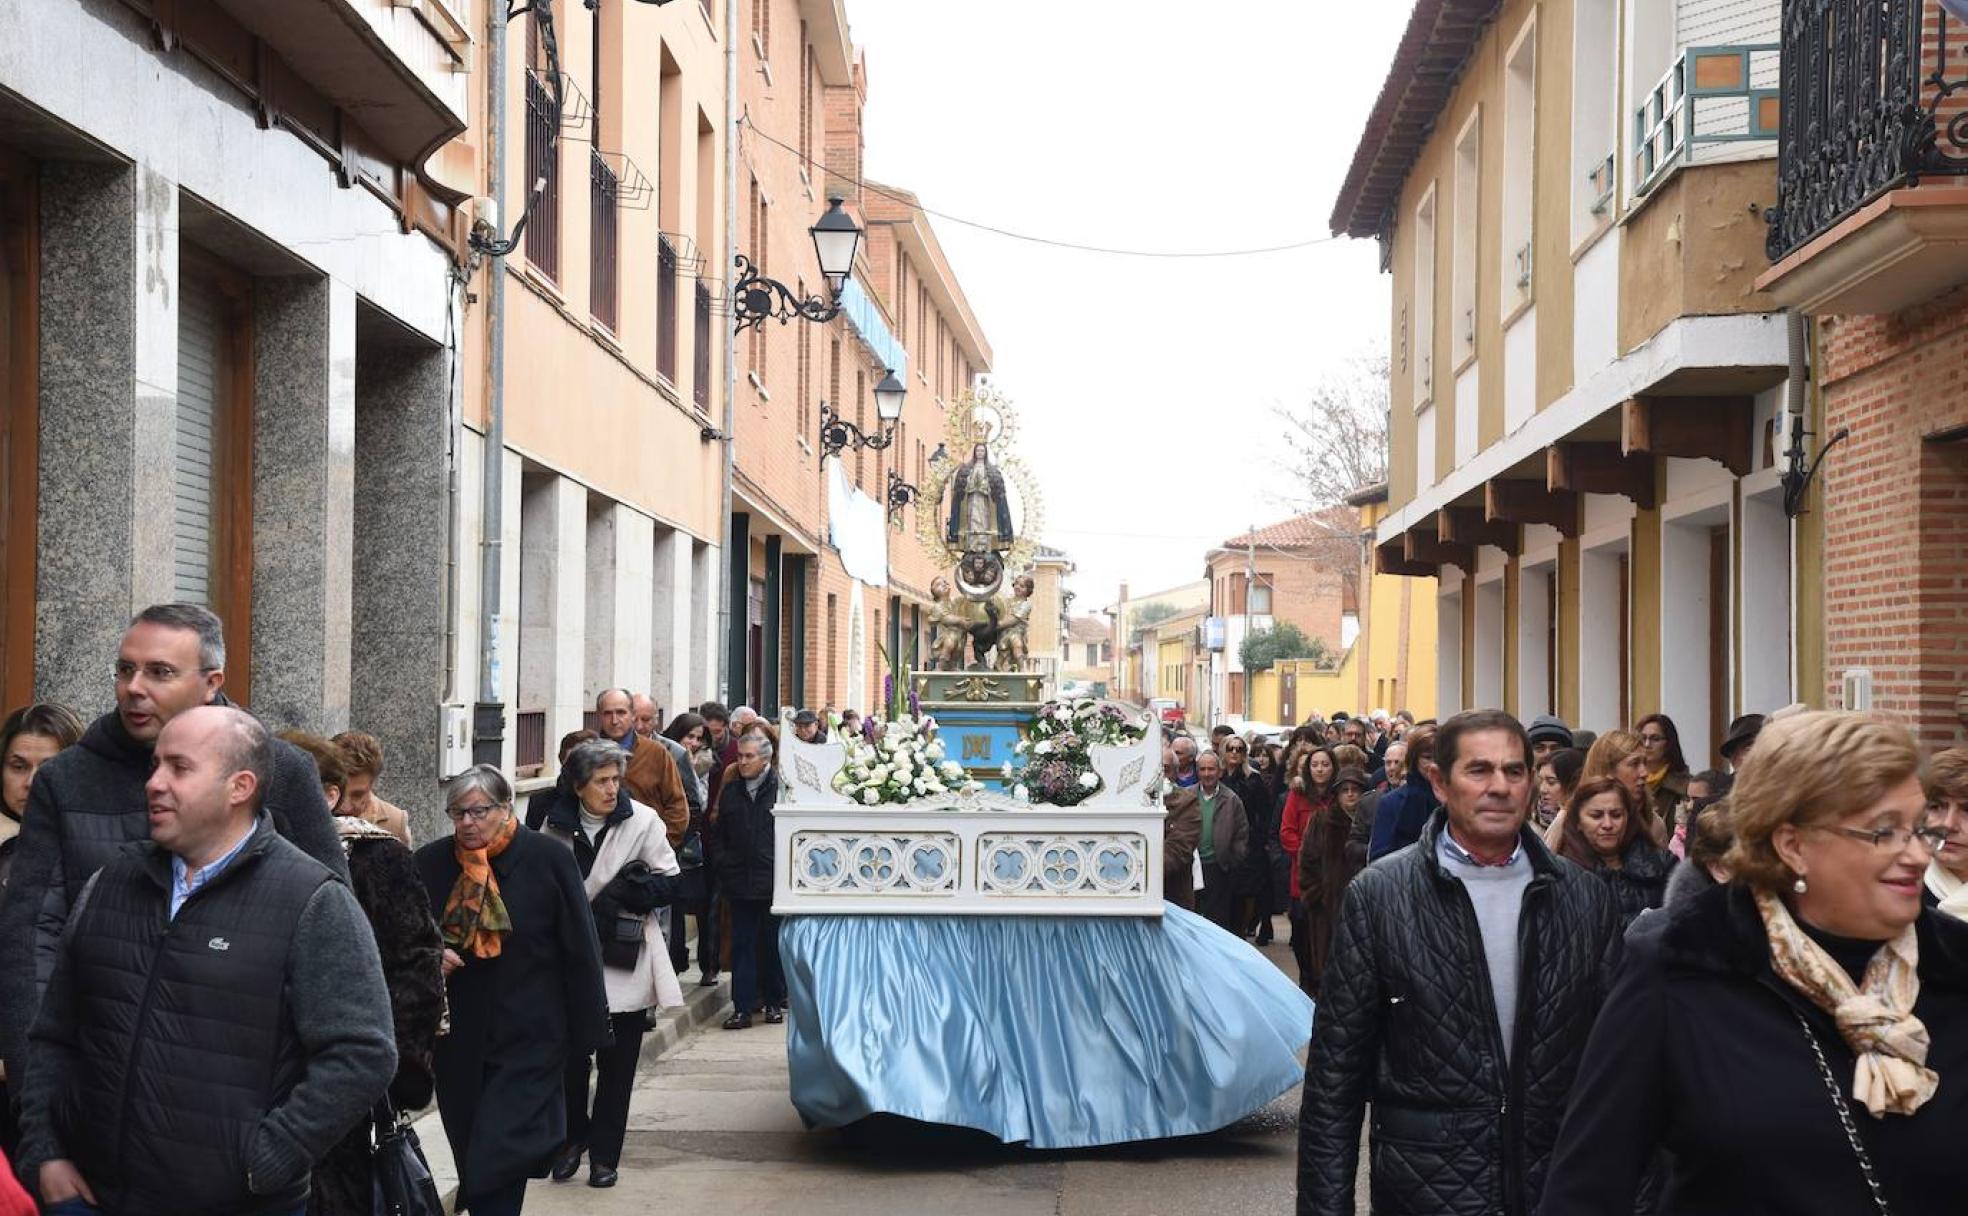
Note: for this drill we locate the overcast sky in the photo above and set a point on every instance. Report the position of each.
(1144, 387)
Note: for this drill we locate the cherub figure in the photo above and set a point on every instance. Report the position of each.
(1015, 618)
(949, 631)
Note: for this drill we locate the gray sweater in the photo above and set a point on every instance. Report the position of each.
(1497, 894)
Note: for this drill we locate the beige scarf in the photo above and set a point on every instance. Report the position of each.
(1876, 1020)
(1951, 891)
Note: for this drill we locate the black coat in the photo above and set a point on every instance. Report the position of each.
(1260, 812)
(1699, 1052)
(516, 1019)
(1408, 1023)
(86, 804)
(743, 833)
(1640, 882)
(384, 875)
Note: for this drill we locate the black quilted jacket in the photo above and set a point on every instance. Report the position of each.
(1407, 1024)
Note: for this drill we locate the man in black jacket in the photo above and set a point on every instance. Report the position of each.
(744, 855)
(88, 801)
(217, 1017)
(1464, 978)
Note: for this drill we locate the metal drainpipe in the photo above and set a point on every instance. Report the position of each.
(488, 728)
(1796, 402)
(720, 648)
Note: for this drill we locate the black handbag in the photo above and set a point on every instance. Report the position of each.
(403, 1185)
(621, 943)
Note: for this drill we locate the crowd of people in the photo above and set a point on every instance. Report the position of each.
(1562, 973)
(227, 970)
(1565, 974)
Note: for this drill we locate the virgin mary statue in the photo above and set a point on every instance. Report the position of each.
(980, 511)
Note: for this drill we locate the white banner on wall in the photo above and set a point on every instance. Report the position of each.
(858, 527)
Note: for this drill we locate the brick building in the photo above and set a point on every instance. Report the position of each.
(801, 630)
(1303, 571)
(1871, 250)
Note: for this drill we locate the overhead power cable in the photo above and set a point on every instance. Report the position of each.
(1051, 242)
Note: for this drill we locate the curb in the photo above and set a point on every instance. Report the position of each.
(674, 1026)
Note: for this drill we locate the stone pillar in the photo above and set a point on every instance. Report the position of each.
(704, 568)
(635, 538)
(303, 500)
(109, 382)
(598, 645)
(552, 591)
(671, 595)
(397, 594)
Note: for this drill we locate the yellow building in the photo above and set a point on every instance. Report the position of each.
(1585, 385)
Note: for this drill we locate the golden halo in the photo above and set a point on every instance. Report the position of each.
(986, 407)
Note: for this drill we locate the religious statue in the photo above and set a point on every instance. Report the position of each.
(980, 510)
(1015, 618)
(949, 630)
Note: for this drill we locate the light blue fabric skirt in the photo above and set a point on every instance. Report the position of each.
(1058, 1032)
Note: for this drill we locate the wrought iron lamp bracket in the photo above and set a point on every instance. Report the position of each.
(901, 495)
(1797, 476)
(838, 434)
(756, 299)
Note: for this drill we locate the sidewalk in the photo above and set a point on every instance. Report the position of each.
(701, 1007)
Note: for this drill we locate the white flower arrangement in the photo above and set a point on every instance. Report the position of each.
(1056, 765)
(907, 764)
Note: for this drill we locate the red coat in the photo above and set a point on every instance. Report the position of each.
(1299, 810)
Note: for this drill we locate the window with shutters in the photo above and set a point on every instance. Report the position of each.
(211, 453)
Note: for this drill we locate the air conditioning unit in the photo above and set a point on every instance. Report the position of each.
(1858, 689)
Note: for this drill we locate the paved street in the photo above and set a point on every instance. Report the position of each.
(712, 1122)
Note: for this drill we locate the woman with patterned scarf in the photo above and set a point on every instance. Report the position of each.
(1796, 1038)
(523, 974)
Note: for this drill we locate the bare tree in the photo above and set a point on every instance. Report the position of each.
(1335, 442)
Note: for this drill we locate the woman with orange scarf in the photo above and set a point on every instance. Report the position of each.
(523, 975)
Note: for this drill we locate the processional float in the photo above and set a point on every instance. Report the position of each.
(973, 924)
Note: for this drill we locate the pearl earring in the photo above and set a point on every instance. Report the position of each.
(1800, 886)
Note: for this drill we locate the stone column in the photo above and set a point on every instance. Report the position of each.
(704, 639)
(303, 500)
(397, 587)
(552, 591)
(670, 638)
(108, 402)
(635, 538)
(598, 643)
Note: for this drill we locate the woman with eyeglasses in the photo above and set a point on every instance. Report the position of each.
(1666, 780)
(523, 973)
(1254, 879)
(1796, 1038)
(1947, 807)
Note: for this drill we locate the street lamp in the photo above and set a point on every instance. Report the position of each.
(756, 299)
(889, 396)
(836, 239)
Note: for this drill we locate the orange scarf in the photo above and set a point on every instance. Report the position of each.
(475, 920)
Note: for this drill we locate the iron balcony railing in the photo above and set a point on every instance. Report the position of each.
(1709, 95)
(1875, 97)
(667, 287)
(543, 175)
(700, 350)
(604, 260)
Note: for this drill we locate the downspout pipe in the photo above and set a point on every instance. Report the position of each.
(1796, 405)
(720, 650)
(489, 717)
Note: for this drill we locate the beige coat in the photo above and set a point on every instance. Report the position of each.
(392, 819)
(652, 983)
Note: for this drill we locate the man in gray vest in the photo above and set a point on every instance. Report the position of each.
(217, 1018)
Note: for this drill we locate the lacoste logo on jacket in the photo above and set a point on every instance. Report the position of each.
(219, 943)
